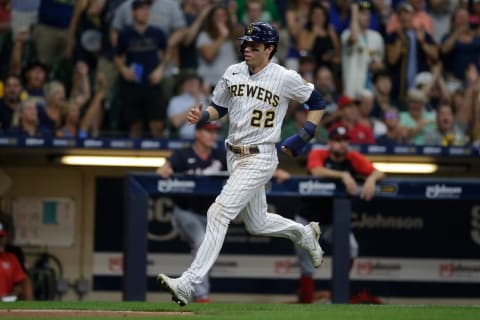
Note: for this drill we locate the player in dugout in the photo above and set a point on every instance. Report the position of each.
(336, 163)
(190, 217)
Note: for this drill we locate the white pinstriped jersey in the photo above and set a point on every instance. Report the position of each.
(258, 103)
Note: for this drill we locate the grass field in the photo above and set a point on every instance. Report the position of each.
(247, 311)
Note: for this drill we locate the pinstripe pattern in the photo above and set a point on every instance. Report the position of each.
(241, 192)
(258, 98)
(257, 105)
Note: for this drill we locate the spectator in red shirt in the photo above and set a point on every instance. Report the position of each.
(349, 118)
(12, 277)
(336, 163)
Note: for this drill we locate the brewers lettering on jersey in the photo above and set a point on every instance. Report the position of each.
(255, 94)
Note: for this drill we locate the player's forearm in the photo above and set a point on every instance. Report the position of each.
(323, 172)
(213, 113)
(376, 176)
(314, 116)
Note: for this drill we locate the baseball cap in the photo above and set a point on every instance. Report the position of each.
(207, 126)
(422, 78)
(344, 101)
(338, 133)
(138, 3)
(405, 6)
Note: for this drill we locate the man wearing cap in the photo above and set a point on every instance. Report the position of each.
(190, 217)
(12, 277)
(342, 165)
(166, 15)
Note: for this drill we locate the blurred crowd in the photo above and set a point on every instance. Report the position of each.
(390, 71)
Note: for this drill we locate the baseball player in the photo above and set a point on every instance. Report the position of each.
(340, 164)
(189, 217)
(255, 95)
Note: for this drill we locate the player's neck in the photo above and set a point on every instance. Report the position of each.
(256, 69)
(201, 150)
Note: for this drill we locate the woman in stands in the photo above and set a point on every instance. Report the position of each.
(25, 122)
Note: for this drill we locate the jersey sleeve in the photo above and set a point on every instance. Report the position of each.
(360, 163)
(296, 88)
(316, 159)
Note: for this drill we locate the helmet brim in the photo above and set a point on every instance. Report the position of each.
(247, 38)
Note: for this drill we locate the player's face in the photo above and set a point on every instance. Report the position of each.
(338, 149)
(256, 55)
(207, 137)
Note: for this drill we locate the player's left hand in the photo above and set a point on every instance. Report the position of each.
(293, 145)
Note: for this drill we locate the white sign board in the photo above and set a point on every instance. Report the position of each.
(44, 221)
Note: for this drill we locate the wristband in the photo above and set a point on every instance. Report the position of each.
(205, 116)
(307, 132)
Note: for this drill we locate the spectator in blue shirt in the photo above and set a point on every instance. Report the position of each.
(139, 57)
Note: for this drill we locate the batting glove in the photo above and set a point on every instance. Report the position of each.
(298, 141)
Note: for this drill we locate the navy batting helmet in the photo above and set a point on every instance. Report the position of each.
(260, 32)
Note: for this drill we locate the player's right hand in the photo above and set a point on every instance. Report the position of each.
(195, 114)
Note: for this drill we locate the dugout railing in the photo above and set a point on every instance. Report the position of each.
(140, 186)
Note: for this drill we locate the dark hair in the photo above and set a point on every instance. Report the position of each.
(379, 74)
(11, 75)
(210, 26)
(445, 104)
(317, 5)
